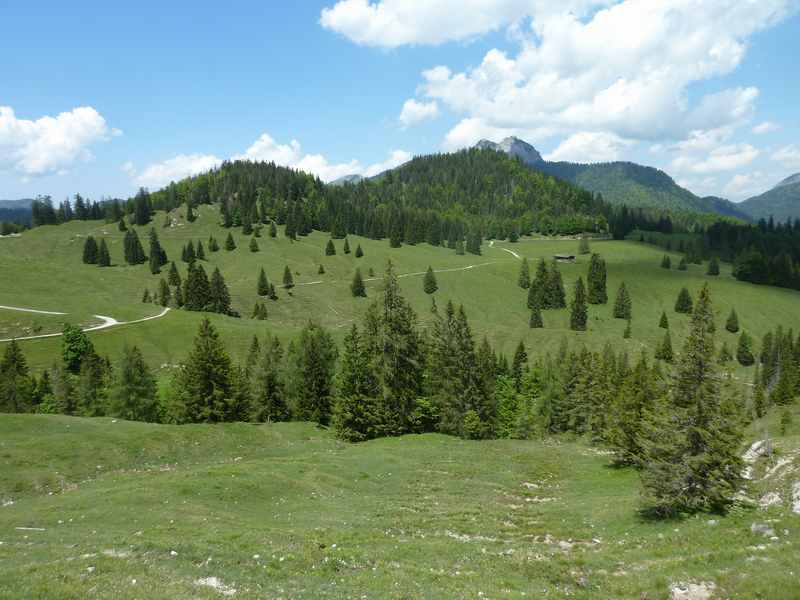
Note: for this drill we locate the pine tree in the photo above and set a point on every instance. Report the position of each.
(146, 296)
(359, 251)
(579, 312)
(157, 255)
(622, 303)
(684, 302)
(524, 279)
(273, 230)
(197, 294)
(201, 253)
(134, 253)
(218, 294)
(664, 350)
(213, 244)
(666, 262)
(90, 251)
(164, 295)
(429, 283)
(203, 389)
(133, 392)
(596, 281)
(253, 245)
(288, 280)
(313, 361)
(103, 257)
(713, 267)
(732, 324)
(174, 277)
(583, 245)
(263, 283)
(357, 286)
(744, 350)
(535, 321)
(682, 266)
(229, 243)
(346, 247)
(663, 322)
(330, 249)
(553, 293)
(267, 385)
(16, 384)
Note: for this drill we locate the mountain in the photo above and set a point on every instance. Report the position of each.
(620, 182)
(781, 202)
(347, 179)
(16, 204)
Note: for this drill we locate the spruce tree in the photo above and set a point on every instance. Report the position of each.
(121, 224)
(524, 279)
(273, 230)
(579, 312)
(682, 266)
(134, 253)
(197, 294)
(628, 331)
(744, 350)
(103, 257)
(201, 253)
(174, 277)
(429, 283)
(213, 244)
(288, 279)
(684, 302)
(263, 283)
(535, 321)
(519, 363)
(732, 324)
(146, 296)
(133, 392)
(253, 245)
(16, 384)
(622, 303)
(666, 262)
(713, 267)
(218, 294)
(90, 251)
(267, 384)
(313, 362)
(164, 294)
(759, 397)
(596, 281)
(554, 292)
(330, 249)
(190, 254)
(346, 247)
(157, 255)
(359, 251)
(321, 270)
(356, 413)
(357, 286)
(229, 243)
(664, 350)
(663, 322)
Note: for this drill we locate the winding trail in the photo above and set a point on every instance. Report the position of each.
(107, 322)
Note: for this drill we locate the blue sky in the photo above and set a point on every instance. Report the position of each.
(100, 98)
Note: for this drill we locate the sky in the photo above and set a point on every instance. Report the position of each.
(102, 98)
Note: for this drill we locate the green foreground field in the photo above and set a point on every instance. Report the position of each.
(42, 269)
(113, 509)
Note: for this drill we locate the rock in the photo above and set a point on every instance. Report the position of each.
(763, 529)
(796, 498)
(769, 499)
(692, 591)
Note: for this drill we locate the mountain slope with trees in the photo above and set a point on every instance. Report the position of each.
(782, 202)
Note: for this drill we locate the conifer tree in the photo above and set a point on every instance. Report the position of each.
(626, 334)
(218, 294)
(16, 384)
(759, 397)
(229, 243)
(121, 224)
(273, 230)
(684, 302)
(288, 280)
(357, 286)
(682, 266)
(713, 267)
(174, 277)
(157, 255)
(146, 296)
(134, 253)
(164, 295)
(90, 251)
(524, 279)
(356, 413)
(178, 296)
(201, 253)
(429, 283)
(359, 251)
(346, 247)
(664, 350)
(666, 262)
(268, 387)
(213, 244)
(622, 303)
(321, 270)
(103, 257)
(197, 294)
(313, 361)
(190, 216)
(330, 249)
(191, 255)
(579, 312)
(519, 363)
(732, 324)
(596, 281)
(253, 245)
(133, 392)
(535, 321)
(263, 283)
(744, 350)
(627, 410)
(663, 322)
(583, 245)
(554, 294)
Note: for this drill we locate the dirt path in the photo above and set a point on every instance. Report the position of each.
(107, 322)
(31, 310)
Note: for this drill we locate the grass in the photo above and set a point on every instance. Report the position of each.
(129, 510)
(45, 270)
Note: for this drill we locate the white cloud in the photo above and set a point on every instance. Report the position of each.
(746, 185)
(414, 112)
(264, 149)
(788, 156)
(50, 145)
(728, 157)
(590, 147)
(393, 23)
(765, 127)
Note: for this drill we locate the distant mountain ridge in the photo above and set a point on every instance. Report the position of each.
(16, 204)
(781, 202)
(619, 182)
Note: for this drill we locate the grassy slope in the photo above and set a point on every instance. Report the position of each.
(287, 511)
(46, 273)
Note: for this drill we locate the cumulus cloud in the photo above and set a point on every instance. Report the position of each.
(788, 156)
(414, 112)
(50, 145)
(746, 185)
(264, 149)
(393, 23)
(590, 147)
(765, 127)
